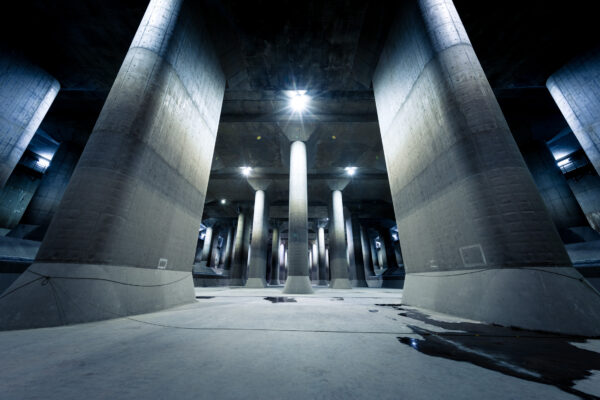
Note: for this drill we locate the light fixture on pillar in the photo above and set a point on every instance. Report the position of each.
(298, 100)
(350, 170)
(246, 170)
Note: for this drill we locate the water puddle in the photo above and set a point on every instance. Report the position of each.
(533, 356)
(336, 299)
(281, 299)
(205, 297)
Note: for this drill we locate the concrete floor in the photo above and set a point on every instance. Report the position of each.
(336, 344)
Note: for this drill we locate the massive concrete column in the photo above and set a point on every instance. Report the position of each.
(350, 249)
(297, 280)
(322, 255)
(26, 93)
(257, 270)
(337, 244)
(236, 276)
(463, 197)
(226, 260)
(47, 197)
(586, 189)
(207, 245)
(553, 187)
(275, 256)
(246, 247)
(123, 239)
(575, 90)
(375, 258)
(355, 236)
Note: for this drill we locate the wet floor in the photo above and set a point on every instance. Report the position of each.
(205, 297)
(535, 356)
(281, 299)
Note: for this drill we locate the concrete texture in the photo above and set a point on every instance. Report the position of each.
(226, 260)
(49, 193)
(586, 189)
(207, 245)
(338, 261)
(131, 212)
(576, 93)
(322, 273)
(359, 256)
(257, 269)
(314, 271)
(553, 187)
(16, 196)
(365, 243)
(462, 194)
(275, 256)
(26, 94)
(238, 333)
(238, 251)
(297, 279)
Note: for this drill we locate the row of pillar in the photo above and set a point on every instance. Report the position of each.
(464, 200)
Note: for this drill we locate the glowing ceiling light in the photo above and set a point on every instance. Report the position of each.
(299, 101)
(350, 170)
(43, 163)
(223, 201)
(246, 170)
(563, 162)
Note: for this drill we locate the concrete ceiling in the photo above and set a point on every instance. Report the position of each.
(328, 48)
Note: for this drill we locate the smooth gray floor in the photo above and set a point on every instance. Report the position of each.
(237, 345)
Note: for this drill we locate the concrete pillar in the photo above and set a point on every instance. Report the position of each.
(297, 281)
(207, 246)
(387, 247)
(337, 244)
(246, 248)
(123, 239)
(314, 274)
(322, 256)
(355, 235)
(226, 260)
(586, 189)
(47, 197)
(350, 250)
(365, 242)
(26, 94)
(463, 197)
(575, 90)
(375, 258)
(257, 270)
(382, 252)
(553, 187)
(236, 276)
(215, 252)
(275, 256)
(283, 261)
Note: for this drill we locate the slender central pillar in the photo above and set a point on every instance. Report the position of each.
(338, 265)
(297, 280)
(275, 257)
(257, 270)
(322, 272)
(366, 249)
(238, 251)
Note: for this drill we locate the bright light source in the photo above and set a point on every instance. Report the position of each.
(299, 101)
(223, 201)
(43, 163)
(246, 170)
(350, 170)
(563, 162)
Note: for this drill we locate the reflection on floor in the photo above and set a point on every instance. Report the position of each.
(257, 344)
